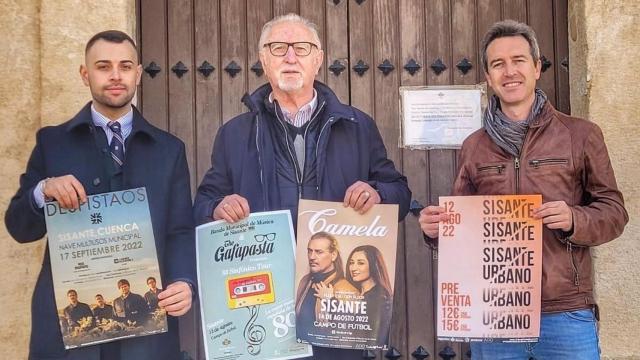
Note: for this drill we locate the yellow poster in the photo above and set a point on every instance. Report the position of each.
(489, 269)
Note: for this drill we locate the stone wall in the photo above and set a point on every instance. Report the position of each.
(20, 110)
(42, 49)
(604, 40)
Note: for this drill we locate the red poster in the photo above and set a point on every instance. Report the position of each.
(489, 269)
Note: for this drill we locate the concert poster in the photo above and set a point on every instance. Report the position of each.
(345, 273)
(245, 277)
(489, 269)
(105, 268)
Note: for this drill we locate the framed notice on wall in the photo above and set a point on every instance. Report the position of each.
(489, 269)
(440, 117)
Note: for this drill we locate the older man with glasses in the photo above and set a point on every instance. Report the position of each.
(297, 141)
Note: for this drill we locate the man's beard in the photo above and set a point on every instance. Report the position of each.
(290, 85)
(106, 101)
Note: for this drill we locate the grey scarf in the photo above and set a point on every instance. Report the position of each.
(509, 134)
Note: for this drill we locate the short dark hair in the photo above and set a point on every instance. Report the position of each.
(99, 295)
(72, 291)
(114, 36)
(123, 282)
(509, 28)
(150, 278)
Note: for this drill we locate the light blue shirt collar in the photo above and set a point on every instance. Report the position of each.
(126, 123)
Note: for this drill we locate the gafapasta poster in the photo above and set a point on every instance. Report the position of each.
(105, 268)
(245, 277)
(489, 269)
(345, 273)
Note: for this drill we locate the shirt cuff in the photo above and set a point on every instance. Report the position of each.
(38, 195)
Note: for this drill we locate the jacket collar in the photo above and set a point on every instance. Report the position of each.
(84, 119)
(546, 114)
(333, 106)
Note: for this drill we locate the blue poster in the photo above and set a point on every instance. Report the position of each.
(245, 277)
(105, 268)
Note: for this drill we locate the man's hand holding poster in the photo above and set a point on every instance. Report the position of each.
(489, 269)
(344, 274)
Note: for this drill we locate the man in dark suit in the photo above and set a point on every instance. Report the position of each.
(151, 296)
(109, 146)
(130, 307)
(102, 311)
(76, 311)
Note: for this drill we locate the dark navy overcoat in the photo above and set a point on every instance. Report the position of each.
(154, 159)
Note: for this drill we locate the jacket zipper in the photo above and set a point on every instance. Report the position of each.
(500, 168)
(516, 160)
(540, 162)
(516, 165)
(318, 111)
(264, 193)
(576, 275)
(329, 121)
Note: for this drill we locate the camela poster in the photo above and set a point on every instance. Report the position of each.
(245, 277)
(489, 269)
(345, 274)
(105, 268)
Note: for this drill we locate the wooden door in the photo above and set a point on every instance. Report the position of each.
(201, 56)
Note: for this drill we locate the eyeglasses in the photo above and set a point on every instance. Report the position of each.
(301, 48)
(263, 237)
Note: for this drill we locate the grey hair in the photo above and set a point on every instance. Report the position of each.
(291, 17)
(509, 28)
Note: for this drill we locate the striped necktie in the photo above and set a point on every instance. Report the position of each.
(117, 144)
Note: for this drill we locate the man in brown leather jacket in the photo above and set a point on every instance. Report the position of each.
(528, 147)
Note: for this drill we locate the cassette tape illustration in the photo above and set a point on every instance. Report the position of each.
(250, 289)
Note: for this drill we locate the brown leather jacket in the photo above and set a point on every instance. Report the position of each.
(562, 158)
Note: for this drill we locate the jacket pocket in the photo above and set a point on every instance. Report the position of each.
(537, 163)
(490, 178)
(490, 169)
(574, 266)
(552, 176)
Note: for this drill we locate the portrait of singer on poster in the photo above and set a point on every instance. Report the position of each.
(344, 293)
(367, 271)
(440, 117)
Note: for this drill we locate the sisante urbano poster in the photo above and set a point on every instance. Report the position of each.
(245, 277)
(105, 268)
(489, 269)
(345, 273)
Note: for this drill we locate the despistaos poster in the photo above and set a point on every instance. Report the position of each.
(103, 255)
